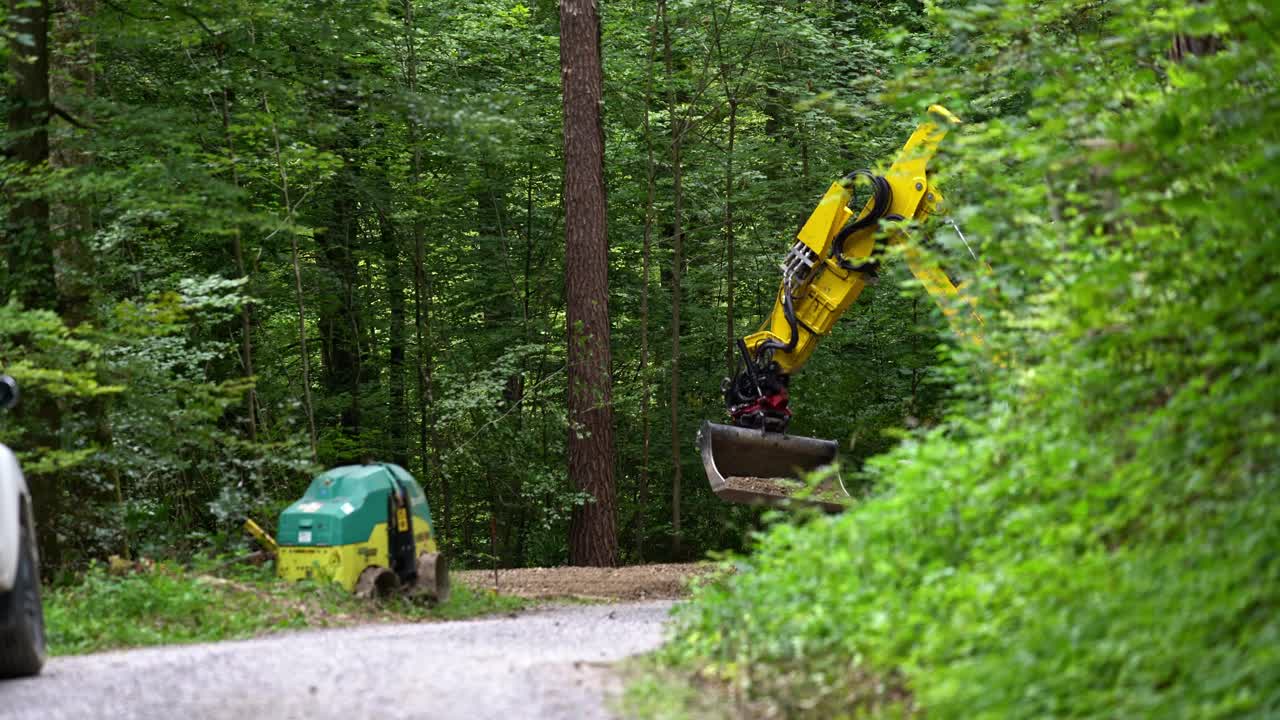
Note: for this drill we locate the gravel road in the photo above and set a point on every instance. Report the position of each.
(540, 664)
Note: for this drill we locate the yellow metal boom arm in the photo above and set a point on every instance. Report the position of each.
(829, 265)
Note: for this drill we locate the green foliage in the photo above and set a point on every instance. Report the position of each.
(54, 363)
(412, 152)
(1092, 532)
(169, 603)
(165, 605)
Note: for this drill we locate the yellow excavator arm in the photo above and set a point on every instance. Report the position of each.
(822, 281)
(835, 256)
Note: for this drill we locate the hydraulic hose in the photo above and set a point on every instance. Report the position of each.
(788, 310)
(881, 201)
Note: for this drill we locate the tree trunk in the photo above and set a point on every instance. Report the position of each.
(237, 253)
(731, 334)
(731, 98)
(27, 244)
(428, 443)
(1184, 44)
(30, 260)
(592, 536)
(677, 266)
(338, 315)
(297, 285)
(642, 494)
(395, 338)
(70, 83)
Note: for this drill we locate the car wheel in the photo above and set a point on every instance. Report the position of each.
(22, 642)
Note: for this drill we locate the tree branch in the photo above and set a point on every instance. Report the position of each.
(60, 112)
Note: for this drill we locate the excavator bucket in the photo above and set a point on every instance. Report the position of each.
(765, 468)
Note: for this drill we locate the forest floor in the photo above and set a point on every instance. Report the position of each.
(633, 582)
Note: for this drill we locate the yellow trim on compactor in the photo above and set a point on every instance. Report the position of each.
(343, 564)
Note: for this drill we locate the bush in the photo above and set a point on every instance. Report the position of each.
(1094, 532)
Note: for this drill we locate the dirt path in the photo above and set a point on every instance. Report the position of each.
(547, 664)
(635, 582)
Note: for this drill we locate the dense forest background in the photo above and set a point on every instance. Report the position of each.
(274, 237)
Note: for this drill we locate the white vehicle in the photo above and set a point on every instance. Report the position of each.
(22, 645)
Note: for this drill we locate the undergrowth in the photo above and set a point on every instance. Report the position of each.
(1094, 532)
(164, 603)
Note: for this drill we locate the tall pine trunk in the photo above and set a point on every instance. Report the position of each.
(642, 494)
(677, 266)
(592, 535)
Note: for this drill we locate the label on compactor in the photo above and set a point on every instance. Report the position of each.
(304, 536)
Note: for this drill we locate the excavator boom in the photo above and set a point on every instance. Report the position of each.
(834, 257)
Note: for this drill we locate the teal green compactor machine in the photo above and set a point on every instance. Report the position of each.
(365, 527)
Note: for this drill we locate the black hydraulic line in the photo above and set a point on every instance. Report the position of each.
(872, 264)
(747, 361)
(788, 310)
(881, 201)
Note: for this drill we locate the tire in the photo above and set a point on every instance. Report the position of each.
(22, 641)
(377, 582)
(433, 577)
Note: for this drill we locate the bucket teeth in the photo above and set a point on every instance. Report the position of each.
(764, 468)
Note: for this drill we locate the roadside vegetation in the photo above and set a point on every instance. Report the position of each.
(138, 604)
(1092, 532)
